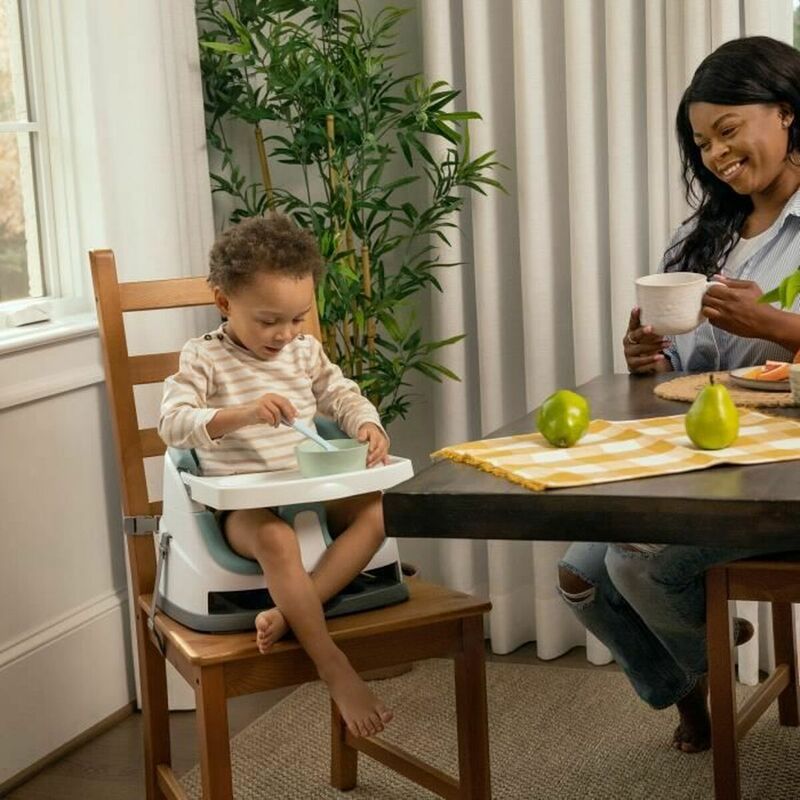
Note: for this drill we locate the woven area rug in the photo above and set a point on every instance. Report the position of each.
(556, 734)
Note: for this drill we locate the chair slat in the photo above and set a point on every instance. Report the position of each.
(135, 500)
(151, 443)
(153, 368)
(173, 293)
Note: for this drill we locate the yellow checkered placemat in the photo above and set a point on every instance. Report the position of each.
(619, 451)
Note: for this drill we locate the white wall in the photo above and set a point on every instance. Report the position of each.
(139, 149)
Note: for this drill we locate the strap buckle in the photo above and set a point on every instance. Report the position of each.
(139, 525)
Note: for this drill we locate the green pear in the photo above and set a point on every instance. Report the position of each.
(563, 418)
(713, 420)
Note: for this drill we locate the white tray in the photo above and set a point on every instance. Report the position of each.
(263, 489)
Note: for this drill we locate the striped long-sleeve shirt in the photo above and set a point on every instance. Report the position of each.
(216, 373)
(766, 259)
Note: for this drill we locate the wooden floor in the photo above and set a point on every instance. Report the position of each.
(109, 767)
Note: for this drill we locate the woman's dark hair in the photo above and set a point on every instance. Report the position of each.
(751, 70)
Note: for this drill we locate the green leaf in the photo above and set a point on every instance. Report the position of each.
(785, 293)
(224, 47)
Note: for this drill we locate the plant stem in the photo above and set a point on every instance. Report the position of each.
(330, 342)
(262, 160)
(329, 135)
(358, 367)
(333, 179)
(366, 283)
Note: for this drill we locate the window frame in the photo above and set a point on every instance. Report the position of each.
(66, 291)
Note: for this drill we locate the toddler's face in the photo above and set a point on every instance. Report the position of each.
(266, 314)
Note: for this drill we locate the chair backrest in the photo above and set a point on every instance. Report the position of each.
(123, 371)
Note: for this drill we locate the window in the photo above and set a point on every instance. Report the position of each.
(42, 263)
(21, 267)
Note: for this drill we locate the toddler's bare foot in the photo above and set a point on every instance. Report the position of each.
(271, 625)
(693, 734)
(363, 713)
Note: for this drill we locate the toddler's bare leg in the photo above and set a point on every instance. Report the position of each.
(259, 534)
(358, 521)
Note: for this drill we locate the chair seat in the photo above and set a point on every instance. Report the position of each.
(428, 606)
(780, 561)
(774, 578)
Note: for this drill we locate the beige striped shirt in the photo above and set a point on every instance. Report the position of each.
(216, 373)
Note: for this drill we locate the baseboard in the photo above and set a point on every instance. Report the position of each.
(59, 684)
(73, 744)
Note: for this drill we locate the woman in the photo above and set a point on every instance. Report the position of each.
(738, 127)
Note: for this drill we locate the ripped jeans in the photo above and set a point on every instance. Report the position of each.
(646, 603)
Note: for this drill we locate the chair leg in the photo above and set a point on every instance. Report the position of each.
(721, 687)
(472, 717)
(344, 759)
(212, 732)
(155, 709)
(786, 653)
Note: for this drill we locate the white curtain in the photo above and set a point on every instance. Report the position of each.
(578, 97)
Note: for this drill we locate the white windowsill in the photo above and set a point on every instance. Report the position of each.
(41, 334)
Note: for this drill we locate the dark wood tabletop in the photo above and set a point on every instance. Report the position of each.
(725, 506)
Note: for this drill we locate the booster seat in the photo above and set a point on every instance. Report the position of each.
(203, 584)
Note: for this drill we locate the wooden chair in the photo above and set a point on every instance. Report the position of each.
(435, 622)
(775, 580)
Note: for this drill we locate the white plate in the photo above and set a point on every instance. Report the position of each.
(737, 376)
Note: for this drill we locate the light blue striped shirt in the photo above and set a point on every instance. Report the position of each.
(778, 255)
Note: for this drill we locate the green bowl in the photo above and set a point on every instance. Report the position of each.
(349, 456)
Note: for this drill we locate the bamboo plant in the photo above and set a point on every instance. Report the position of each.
(315, 84)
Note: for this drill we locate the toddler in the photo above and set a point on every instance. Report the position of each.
(234, 387)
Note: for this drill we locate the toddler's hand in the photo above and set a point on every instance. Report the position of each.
(271, 408)
(378, 443)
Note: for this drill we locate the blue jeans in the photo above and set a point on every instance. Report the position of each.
(646, 603)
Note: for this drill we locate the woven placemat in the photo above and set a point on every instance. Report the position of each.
(685, 389)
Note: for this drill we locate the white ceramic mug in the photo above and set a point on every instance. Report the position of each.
(671, 302)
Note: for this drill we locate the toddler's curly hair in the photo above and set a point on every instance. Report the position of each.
(272, 244)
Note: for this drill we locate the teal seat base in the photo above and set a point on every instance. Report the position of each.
(230, 560)
(237, 611)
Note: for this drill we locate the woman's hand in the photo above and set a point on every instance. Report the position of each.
(378, 443)
(732, 305)
(643, 348)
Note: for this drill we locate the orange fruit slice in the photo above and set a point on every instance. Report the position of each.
(775, 371)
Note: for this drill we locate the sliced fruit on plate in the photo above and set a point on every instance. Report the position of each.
(771, 371)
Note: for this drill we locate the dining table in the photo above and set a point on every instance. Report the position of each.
(724, 505)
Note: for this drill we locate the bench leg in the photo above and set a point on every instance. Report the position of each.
(786, 653)
(344, 759)
(471, 711)
(155, 709)
(721, 687)
(212, 734)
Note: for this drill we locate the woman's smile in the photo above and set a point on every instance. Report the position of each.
(731, 170)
